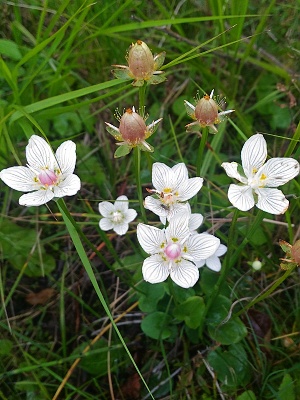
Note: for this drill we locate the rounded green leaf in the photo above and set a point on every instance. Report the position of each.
(157, 325)
(191, 311)
(231, 332)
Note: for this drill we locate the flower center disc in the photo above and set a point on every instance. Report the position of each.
(117, 217)
(172, 251)
(48, 178)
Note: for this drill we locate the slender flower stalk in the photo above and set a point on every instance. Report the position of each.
(46, 175)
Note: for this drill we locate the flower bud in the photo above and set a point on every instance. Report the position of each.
(256, 265)
(140, 61)
(132, 127)
(206, 111)
(295, 250)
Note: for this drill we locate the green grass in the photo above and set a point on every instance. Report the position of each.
(167, 342)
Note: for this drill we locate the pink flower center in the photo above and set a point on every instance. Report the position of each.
(48, 178)
(173, 251)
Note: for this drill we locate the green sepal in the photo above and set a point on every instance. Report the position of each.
(156, 79)
(121, 73)
(114, 132)
(122, 151)
(159, 59)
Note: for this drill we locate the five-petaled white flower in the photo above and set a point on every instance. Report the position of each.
(174, 251)
(116, 216)
(260, 178)
(213, 262)
(173, 187)
(47, 175)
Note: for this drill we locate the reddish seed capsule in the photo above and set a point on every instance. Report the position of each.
(295, 251)
(140, 61)
(206, 111)
(132, 127)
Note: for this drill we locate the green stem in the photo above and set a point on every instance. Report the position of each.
(231, 258)
(142, 95)
(267, 293)
(137, 171)
(73, 231)
(201, 150)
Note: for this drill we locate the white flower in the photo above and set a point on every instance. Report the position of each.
(116, 216)
(46, 175)
(173, 187)
(213, 261)
(260, 178)
(174, 251)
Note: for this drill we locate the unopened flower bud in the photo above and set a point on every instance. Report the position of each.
(295, 250)
(206, 111)
(140, 61)
(132, 127)
(256, 265)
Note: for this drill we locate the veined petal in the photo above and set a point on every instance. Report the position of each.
(201, 246)
(121, 229)
(213, 263)
(19, 178)
(36, 198)
(254, 154)
(241, 197)
(231, 169)
(185, 274)
(106, 208)
(221, 250)
(130, 215)
(272, 201)
(199, 263)
(181, 174)
(106, 224)
(150, 238)
(162, 176)
(178, 229)
(278, 171)
(156, 206)
(195, 221)
(190, 188)
(68, 187)
(66, 157)
(122, 204)
(154, 269)
(39, 154)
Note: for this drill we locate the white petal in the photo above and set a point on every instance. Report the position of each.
(162, 176)
(254, 154)
(36, 198)
(241, 197)
(106, 224)
(272, 201)
(156, 206)
(278, 171)
(150, 238)
(39, 154)
(68, 187)
(122, 204)
(154, 269)
(106, 208)
(231, 169)
(221, 250)
(184, 274)
(19, 178)
(195, 221)
(121, 229)
(213, 263)
(181, 173)
(200, 263)
(178, 228)
(66, 157)
(190, 188)
(201, 246)
(130, 215)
